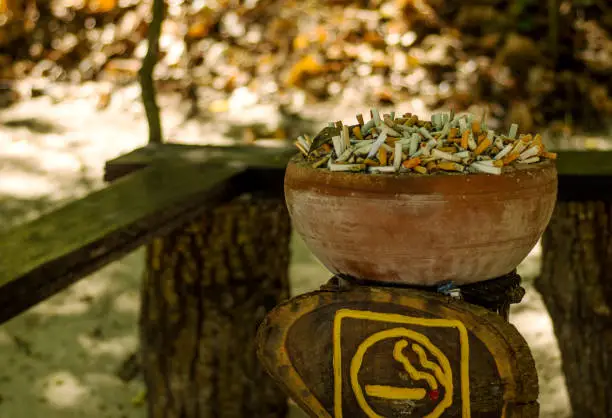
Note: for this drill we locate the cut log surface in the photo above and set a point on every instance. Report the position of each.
(42, 257)
(382, 352)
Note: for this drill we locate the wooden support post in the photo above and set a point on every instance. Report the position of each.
(207, 287)
(576, 279)
(352, 350)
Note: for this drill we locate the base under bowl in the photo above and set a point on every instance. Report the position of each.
(421, 229)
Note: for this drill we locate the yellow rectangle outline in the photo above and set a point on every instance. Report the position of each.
(401, 319)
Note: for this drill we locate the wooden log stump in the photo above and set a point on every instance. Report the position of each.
(207, 287)
(576, 285)
(370, 351)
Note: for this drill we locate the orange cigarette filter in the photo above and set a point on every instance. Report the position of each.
(382, 156)
(360, 119)
(448, 149)
(326, 147)
(498, 163)
(431, 166)
(449, 166)
(420, 169)
(357, 132)
(476, 127)
(452, 133)
(371, 163)
(411, 163)
(464, 139)
(482, 146)
(510, 157)
(481, 138)
(549, 155)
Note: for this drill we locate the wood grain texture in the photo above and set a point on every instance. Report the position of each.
(44, 256)
(255, 157)
(207, 287)
(348, 354)
(576, 285)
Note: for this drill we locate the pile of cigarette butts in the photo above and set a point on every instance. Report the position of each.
(447, 143)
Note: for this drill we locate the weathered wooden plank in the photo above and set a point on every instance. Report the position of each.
(380, 352)
(42, 257)
(256, 157)
(584, 175)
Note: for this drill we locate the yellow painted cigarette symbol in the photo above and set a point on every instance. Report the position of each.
(439, 372)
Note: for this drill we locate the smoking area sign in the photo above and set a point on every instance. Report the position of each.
(391, 364)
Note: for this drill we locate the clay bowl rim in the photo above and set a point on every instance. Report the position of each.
(301, 175)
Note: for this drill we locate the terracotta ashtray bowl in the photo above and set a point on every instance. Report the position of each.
(421, 229)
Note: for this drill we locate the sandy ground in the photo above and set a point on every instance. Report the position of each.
(60, 359)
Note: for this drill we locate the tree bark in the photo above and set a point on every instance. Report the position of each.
(576, 285)
(207, 288)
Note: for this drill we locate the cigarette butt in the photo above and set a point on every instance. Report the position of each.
(498, 163)
(389, 121)
(481, 138)
(346, 137)
(397, 156)
(371, 163)
(549, 155)
(530, 152)
(472, 142)
(411, 163)
(482, 146)
(483, 168)
(360, 119)
(537, 140)
(529, 160)
(464, 139)
(436, 153)
(301, 148)
(320, 162)
(382, 156)
(513, 131)
(526, 138)
(347, 167)
(385, 169)
(452, 133)
(420, 169)
(448, 149)
(503, 152)
(450, 166)
(326, 147)
(375, 116)
(431, 166)
(519, 147)
(476, 127)
(338, 145)
(357, 132)
(510, 157)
